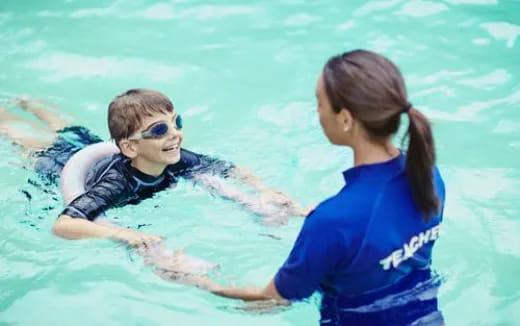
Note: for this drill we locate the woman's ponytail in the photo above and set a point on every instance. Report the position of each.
(372, 88)
(420, 160)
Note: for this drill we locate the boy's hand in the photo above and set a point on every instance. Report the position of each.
(283, 201)
(137, 239)
(276, 197)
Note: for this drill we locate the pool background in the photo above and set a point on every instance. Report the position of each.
(243, 75)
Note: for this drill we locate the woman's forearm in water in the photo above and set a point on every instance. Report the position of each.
(241, 293)
(233, 292)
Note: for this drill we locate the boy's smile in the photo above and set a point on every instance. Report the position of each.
(153, 154)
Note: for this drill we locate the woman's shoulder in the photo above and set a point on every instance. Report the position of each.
(344, 209)
(354, 197)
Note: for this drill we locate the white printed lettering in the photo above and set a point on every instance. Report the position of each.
(424, 237)
(386, 262)
(410, 248)
(407, 251)
(435, 232)
(397, 257)
(414, 243)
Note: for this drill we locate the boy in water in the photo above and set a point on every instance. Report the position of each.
(148, 131)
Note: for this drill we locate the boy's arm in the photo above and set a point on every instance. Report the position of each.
(78, 219)
(78, 228)
(247, 176)
(274, 206)
(212, 172)
(267, 194)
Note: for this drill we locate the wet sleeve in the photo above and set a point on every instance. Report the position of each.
(316, 252)
(104, 194)
(198, 163)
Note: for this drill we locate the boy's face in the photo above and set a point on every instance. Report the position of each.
(152, 155)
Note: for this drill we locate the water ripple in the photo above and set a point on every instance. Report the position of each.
(421, 8)
(60, 66)
(502, 31)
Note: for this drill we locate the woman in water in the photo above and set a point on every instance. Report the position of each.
(368, 249)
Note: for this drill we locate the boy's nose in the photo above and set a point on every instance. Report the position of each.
(174, 132)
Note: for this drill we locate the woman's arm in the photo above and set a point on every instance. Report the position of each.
(249, 294)
(233, 292)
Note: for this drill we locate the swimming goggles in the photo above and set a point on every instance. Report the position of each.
(158, 130)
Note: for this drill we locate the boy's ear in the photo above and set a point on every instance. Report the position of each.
(128, 148)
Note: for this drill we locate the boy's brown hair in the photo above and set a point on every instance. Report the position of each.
(127, 111)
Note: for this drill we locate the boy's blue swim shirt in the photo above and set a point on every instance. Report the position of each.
(113, 182)
(362, 241)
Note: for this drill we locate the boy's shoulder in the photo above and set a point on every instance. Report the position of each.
(108, 185)
(191, 162)
(113, 167)
(187, 161)
(189, 158)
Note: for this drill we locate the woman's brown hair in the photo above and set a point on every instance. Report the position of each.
(372, 88)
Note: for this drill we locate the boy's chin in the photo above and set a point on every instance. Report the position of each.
(172, 159)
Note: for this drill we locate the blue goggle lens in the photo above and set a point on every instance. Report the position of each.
(178, 121)
(161, 129)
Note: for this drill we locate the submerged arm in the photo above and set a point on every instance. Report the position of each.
(267, 194)
(247, 176)
(256, 203)
(233, 292)
(248, 294)
(272, 204)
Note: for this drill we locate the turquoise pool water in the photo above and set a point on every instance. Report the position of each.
(243, 76)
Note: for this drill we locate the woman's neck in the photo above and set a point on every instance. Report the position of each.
(368, 152)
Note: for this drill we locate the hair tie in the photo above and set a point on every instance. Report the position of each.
(407, 108)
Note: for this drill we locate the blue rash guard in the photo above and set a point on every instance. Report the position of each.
(113, 182)
(365, 244)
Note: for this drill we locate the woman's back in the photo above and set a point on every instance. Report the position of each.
(383, 240)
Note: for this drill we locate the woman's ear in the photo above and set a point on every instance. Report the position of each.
(345, 119)
(128, 148)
